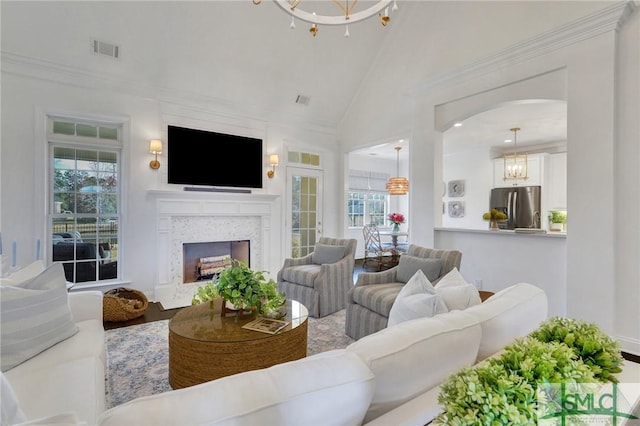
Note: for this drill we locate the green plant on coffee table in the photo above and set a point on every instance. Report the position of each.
(242, 287)
(206, 293)
(271, 301)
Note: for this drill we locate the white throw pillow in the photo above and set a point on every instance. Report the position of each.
(417, 299)
(35, 315)
(456, 293)
(28, 272)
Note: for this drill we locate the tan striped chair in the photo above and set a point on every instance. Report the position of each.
(321, 287)
(369, 301)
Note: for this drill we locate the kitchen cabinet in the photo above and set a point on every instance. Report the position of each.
(535, 167)
(556, 181)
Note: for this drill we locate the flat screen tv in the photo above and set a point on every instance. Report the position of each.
(199, 157)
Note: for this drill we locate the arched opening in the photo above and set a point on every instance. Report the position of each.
(473, 163)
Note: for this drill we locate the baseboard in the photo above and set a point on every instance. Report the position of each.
(629, 345)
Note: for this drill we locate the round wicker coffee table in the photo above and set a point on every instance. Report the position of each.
(204, 345)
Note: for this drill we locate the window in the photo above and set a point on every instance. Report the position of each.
(368, 200)
(85, 198)
(366, 208)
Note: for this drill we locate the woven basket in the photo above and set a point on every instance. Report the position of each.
(123, 304)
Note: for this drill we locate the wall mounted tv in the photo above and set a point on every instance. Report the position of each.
(199, 157)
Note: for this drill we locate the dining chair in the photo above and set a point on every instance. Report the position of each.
(375, 250)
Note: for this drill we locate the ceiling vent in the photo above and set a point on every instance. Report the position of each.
(104, 48)
(303, 100)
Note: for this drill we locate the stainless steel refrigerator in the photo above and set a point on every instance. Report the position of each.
(521, 205)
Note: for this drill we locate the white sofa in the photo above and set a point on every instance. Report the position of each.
(382, 374)
(389, 377)
(69, 377)
(46, 372)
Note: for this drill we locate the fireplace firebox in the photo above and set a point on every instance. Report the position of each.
(202, 260)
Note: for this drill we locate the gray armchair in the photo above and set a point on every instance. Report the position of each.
(321, 279)
(369, 301)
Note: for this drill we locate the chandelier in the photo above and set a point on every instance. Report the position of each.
(515, 165)
(397, 185)
(345, 17)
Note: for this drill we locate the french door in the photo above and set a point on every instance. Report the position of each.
(303, 226)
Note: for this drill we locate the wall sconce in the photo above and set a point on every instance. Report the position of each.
(155, 147)
(273, 162)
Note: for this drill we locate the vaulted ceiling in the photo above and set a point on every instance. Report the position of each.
(245, 59)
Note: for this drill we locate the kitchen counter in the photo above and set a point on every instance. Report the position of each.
(494, 260)
(506, 232)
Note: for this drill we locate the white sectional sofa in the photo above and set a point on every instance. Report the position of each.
(389, 377)
(53, 349)
(394, 372)
(69, 377)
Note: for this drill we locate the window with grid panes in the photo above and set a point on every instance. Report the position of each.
(367, 200)
(365, 209)
(85, 198)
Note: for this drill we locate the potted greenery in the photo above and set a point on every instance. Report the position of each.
(494, 216)
(506, 389)
(242, 288)
(557, 220)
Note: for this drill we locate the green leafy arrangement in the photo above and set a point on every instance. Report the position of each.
(504, 390)
(557, 216)
(494, 214)
(486, 395)
(243, 287)
(596, 349)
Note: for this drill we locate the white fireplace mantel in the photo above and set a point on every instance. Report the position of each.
(189, 217)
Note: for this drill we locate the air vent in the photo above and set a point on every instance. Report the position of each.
(303, 100)
(104, 48)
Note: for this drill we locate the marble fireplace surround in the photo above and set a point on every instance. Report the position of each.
(207, 217)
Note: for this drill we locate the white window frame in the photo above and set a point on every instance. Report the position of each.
(88, 143)
(367, 184)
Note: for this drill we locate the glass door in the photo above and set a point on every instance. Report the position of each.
(304, 210)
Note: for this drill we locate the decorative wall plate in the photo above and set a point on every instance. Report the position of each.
(456, 188)
(456, 209)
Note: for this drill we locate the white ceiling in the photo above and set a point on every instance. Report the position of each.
(540, 123)
(245, 60)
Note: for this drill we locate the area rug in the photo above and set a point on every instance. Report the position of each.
(138, 357)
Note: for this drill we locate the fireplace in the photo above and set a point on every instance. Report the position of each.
(202, 260)
(194, 218)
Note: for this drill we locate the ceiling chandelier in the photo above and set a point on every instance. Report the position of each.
(515, 165)
(345, 17)
(397, 185)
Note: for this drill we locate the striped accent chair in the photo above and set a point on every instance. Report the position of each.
(321, 287)
(369, 301)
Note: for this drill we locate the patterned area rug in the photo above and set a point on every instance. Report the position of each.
(138, 356)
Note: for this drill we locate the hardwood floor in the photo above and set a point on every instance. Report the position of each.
(155, 312)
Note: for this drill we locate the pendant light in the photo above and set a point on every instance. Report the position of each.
(398, 185)
(515, 165)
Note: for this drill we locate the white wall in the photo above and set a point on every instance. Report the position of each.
(577, 64)
(627, 181)
(494, 260)
(26, 100)
(475, 167)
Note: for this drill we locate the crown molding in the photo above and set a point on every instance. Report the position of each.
(44, 70)
(603, 21)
